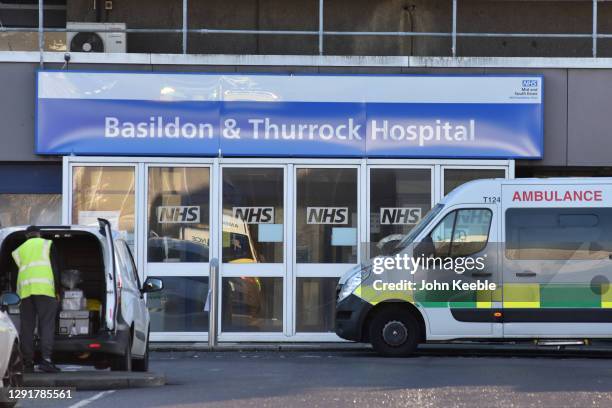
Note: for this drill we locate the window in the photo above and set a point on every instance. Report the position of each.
(253, 213)
(252, 304)
(181, 306)
(326, 215)
(30, 209)
(105, 192)
(471, 232)
(178, 213)
(398, 200)
(442, 235)
(558, 233)
(453, 178)
(125, 256)
(316, 304)
(462, 233)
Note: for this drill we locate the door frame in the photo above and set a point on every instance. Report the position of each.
(290, 268)
(275, 270)
(322, 270)
(177, 270)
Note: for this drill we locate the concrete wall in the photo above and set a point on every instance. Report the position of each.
(359, 15)
(576, 109)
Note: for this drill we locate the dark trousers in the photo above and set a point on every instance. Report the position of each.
(45, 308)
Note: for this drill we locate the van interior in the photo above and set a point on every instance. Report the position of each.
(74, 250)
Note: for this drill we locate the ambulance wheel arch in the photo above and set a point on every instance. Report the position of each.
(395, 328)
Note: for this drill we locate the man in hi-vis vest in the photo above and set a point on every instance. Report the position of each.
(36, 287)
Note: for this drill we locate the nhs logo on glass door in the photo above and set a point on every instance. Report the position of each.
(399, 215)
(327, 215)
(254, 215)
(178, 214)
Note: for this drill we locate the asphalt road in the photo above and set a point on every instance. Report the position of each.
(361, 379)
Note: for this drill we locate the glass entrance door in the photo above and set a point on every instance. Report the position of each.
(177, 249)
(253, 253)
(326, 225)
(284, 230)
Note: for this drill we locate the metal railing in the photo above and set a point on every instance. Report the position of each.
(320, 33)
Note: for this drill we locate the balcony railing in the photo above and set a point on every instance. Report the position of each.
(321, 34)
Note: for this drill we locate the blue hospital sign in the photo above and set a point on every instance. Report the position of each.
(98, 113)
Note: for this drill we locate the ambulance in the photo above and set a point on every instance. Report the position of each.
(495, 260)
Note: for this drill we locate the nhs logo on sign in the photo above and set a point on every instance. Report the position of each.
(399, 215)
(178, 214)
(530, 83)
(327, 215)
(254, 215)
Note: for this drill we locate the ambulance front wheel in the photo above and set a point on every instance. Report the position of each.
(394, 333)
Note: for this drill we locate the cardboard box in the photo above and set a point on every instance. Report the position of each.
(74, 304)
(75, 323)
(73, 294)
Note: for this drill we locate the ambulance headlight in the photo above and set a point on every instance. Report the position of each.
(353, 282)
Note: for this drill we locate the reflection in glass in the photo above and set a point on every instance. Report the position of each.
(326, 199)
(252, 304)
(179, 229)
(399, 198)
(441, 235)
(471, 231)
(545, 234)
(453, 178)
(104, 192)
(180, 306)
(316, 304)
(253, 215)
(30, 209)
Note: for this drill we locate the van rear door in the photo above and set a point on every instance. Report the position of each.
(111, 275)
(556, 261)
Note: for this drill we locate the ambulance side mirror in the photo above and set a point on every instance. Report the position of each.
(389, 243)
(8, 299)
(425, 248)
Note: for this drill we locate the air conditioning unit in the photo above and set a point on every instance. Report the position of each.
(99, 41)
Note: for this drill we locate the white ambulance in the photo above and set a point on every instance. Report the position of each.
(499, 259)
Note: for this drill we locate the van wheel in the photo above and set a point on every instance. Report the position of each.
(394, 333)
(123, 362)
(142, 364)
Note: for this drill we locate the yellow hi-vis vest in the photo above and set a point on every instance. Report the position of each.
(35, 273)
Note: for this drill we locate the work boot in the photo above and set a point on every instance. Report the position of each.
(28, 367)
(47, 366)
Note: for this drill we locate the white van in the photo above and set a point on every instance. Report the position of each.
(112, 329)
(522, 259)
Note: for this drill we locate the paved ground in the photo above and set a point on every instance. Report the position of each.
(361, 379)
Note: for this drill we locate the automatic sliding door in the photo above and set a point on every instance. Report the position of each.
(253, 272)
(178, 249)
(326, 242)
